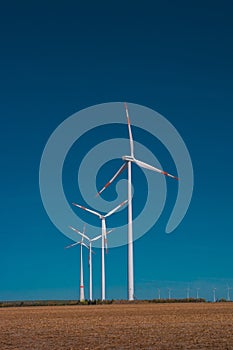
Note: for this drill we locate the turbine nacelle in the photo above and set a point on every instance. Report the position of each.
(128, 158)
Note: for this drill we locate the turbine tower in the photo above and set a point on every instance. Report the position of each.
(103, 235)
(128, 160)
(81, 295)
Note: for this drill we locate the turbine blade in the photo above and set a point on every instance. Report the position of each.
(80, 233)
(122, 168)
(130, 131)
(72, 245)
(74, 229)
(84, 244)
(91, 251)
(150, 167)
(115, 209)
(106, 240)
(110, 231)
(106, 245)
(96, 238)
(90, 211)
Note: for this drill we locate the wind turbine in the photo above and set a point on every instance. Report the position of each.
(159, 295)
(103, 235)
(228, 293)
(81, 296)
(197, 296)
(127, 164)
(169, 293)
(90, 240)
(214, 295)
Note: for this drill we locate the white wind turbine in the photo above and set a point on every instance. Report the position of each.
(159, 294)
(103, 235)
(214, 295)
(169, 293)
(81, 296)
(90, 240)
(127, 163)
(228, 293)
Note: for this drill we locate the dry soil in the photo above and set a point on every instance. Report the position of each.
(144, 326)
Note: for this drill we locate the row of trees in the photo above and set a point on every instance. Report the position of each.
(98, 302)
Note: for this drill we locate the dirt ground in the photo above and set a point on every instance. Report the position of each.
(144, 326)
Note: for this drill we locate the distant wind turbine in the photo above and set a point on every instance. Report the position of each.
(228, 293)
(197, 289)
(127, 164)
(159, 295)
(169, 293)
(90, 240)
(103, 235)
(214, 295)
(81, 296)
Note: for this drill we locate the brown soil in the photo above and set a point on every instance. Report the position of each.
(139, 326)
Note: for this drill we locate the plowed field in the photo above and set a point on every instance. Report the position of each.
(134, 326)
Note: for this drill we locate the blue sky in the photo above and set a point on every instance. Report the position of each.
(60, 57)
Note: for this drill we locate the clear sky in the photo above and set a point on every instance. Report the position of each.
(58, 57)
